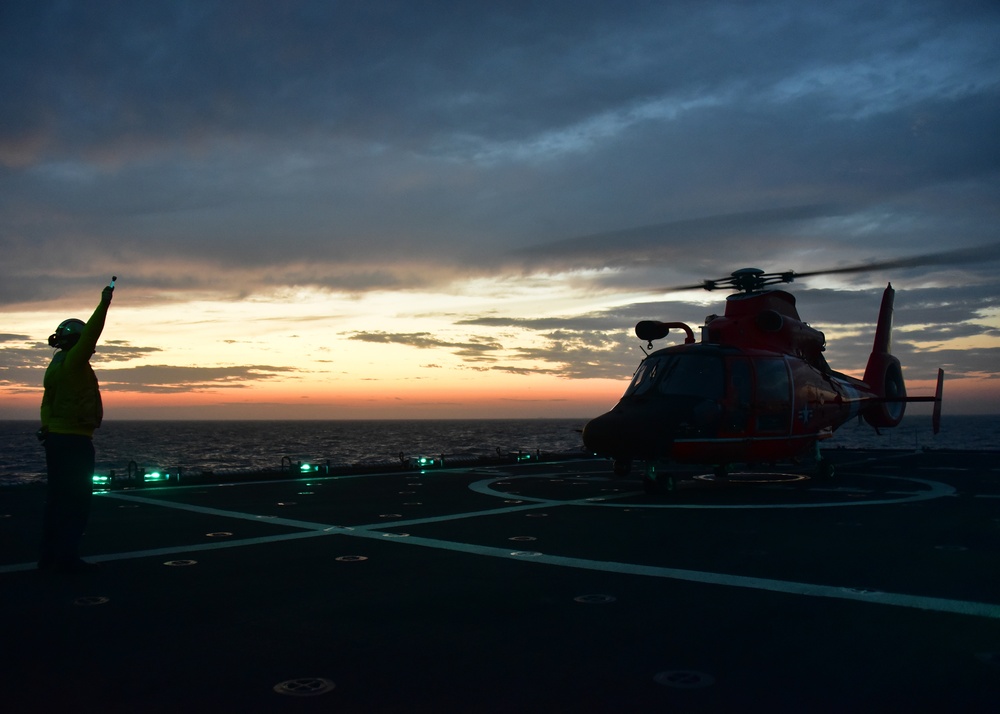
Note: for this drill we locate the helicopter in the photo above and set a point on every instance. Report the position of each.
(755, 389)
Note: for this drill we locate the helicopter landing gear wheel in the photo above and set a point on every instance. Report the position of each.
(824, 469)
(623, 467)
(654, 482)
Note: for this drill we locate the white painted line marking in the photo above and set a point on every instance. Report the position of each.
(312, 530)
(291, 522)
(977, 609)
(178, 549)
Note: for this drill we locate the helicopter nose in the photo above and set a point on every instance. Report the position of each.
(616, 435)
(599, 434)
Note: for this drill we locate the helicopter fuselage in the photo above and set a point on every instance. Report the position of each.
(755, 389)
(707, 403)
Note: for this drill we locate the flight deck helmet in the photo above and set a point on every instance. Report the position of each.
(67, 334)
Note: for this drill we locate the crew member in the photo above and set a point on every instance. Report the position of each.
(71, 411)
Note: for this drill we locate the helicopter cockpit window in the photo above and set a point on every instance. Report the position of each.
(683, 375)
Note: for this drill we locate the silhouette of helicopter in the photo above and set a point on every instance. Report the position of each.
(755, 389)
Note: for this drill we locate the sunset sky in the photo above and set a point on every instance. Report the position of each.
(453, 209)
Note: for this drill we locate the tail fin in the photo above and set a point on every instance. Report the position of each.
(884, 374)
(938, 394)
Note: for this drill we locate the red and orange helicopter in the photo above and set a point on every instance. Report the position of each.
(755, 389)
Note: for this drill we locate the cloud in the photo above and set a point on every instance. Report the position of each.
(225, 152)
(160, 379)
(252, 135)
(475, 349)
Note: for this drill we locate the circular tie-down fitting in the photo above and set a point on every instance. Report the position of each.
(990, 658)
(351, 558)
(219, 534)
(91, 600)
(305, 687)
(684, 679)
(595, 599)
(522, 538)
(180, 563)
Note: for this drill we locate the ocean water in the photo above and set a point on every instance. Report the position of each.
(247, 446)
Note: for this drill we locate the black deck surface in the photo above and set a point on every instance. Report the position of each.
(528, 588)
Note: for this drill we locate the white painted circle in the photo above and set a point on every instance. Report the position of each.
(180, 563)
(932, 490)
(753, 477)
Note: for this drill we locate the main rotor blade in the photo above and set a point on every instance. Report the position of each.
(978, 254)
(703, 285)
(982, 253)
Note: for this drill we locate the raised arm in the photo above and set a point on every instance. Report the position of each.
(87, 344)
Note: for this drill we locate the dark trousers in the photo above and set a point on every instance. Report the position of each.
(69, 459)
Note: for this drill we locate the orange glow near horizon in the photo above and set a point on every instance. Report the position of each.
(306, 354)
(512, 397)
